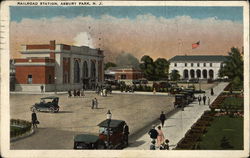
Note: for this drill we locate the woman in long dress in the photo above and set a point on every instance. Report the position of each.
(160, 137)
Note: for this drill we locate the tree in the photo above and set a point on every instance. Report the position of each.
(174, 75)
(147, 67)
(108, 65)
(161, 68)
(233, 67)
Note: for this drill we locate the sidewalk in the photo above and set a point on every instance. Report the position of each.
(179, 123)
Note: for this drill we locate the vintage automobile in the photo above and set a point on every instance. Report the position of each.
(118, 132)
(47, 104)
(175, 90)
(88, 141)
(189, 93)
(188, 96)
(114, 138)
(180, 100)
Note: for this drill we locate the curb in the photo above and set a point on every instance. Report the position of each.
(25, 135)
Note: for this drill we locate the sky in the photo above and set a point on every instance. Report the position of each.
(157, 31)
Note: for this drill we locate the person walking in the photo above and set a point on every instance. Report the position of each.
(153, 133)
(212, 91)
(199, 99)
(42, 87)
(204, 99)
(165, 145)
(74, 93)
(82, 93)
(70, 95)
(34, 119)
(96, 103)
(162, 118)
(160, 137)
(208, 101)
(93, 104)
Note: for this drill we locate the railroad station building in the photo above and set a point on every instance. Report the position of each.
(58, 67)
(197, 66)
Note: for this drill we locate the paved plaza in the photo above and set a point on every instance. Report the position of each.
(179, 123)
(56, 130)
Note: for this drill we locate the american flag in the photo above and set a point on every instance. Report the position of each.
(195, 45)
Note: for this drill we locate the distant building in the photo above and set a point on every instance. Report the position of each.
(126, 73)
(58, 67)
(197, 66)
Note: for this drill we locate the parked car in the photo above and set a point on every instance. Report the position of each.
(136, 82)
(180, 100)
(165, 85)
(118, 136)
(175, 90)
(190, 93)
(88, 141)
(119, 132)
(47, 104)
(143, 81)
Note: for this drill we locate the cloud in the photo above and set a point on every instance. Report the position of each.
(145, 34)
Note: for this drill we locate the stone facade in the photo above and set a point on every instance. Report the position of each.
(58, 67)
(197, 66)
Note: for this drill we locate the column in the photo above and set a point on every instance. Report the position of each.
(71, 69)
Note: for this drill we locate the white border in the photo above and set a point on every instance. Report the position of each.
(5, 143)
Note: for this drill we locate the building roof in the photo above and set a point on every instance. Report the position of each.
(198, 58)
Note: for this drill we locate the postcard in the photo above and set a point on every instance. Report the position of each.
(124, 78)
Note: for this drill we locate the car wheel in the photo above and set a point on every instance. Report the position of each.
(51, 109)
(101, 145)
(57, 110)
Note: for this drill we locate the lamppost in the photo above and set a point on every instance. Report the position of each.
(55, 86)
(109, 116)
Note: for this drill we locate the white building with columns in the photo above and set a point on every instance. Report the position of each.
(197, 66)
(58, 67)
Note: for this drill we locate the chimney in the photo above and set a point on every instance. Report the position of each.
(52, 46)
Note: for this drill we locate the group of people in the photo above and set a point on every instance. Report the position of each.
(76, 93)
(157, 136)
(157, 139)
(103, 91)
(204, 98)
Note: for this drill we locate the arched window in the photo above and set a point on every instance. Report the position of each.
(93, 70)
(192, 73)
(76, 72)
(211, 74)
(85, 70)
(185, 74)
(204, 73)
(198, 73)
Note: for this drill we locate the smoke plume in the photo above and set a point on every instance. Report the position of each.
(83, 39)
